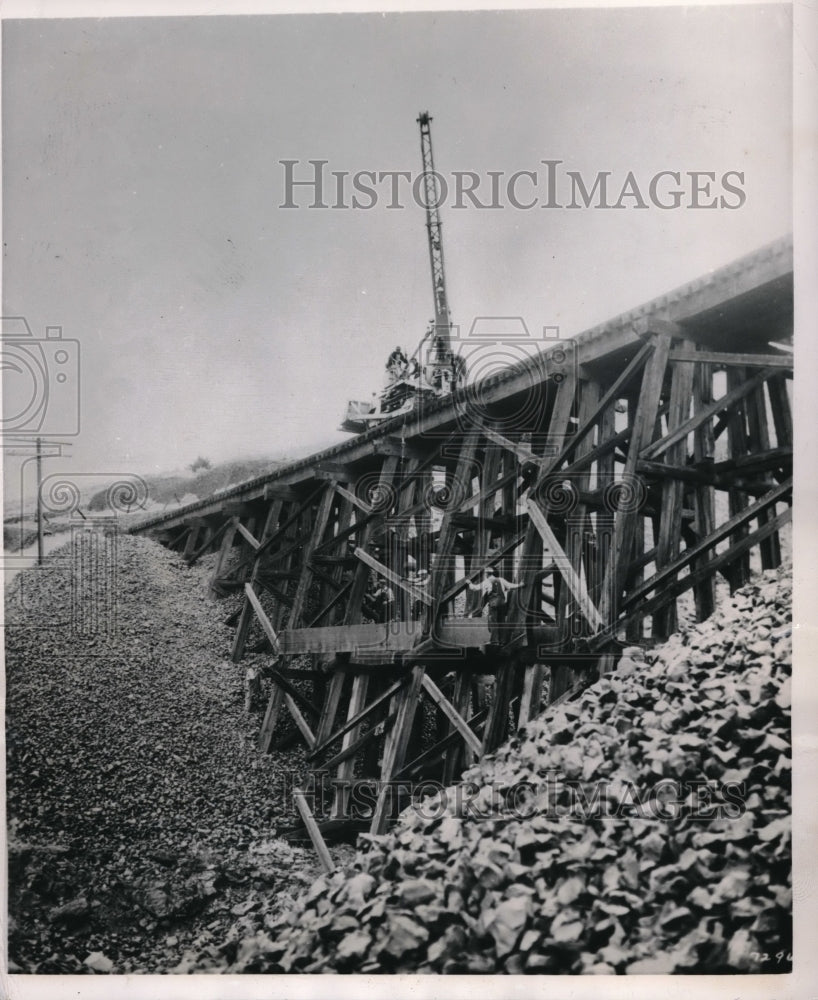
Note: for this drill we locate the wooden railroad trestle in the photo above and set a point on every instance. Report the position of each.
(610, 495)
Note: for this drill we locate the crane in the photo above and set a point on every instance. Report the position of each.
(440, 371)
(442, 342)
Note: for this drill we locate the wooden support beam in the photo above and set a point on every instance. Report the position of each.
(317, 839)
(191, 535)
(211, 539)
(673, 588)
(610, 397)
(228, 538)
(353, 721)
(451, 713)
(346, 769)
(263, 620)
(626, 519)
(764, 460)
(384, 571)
(329, 472)
(332, 603)
(698, 476)
(563, 563)
(277, 491)
(525, 455)
(657, 448)
(722, 358)
(532, 692)
(293, 691)
(316, 535)
(299, 720)
(268, 726)
(355, 500)
(250, 539)
(531, 563)
(409, 770)
(670, 515)
(352, 750)
(398, 448)
(246, 613)
(663, 578)
(396, 751)
(236, 508)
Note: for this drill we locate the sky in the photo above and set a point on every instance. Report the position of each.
(143, 185)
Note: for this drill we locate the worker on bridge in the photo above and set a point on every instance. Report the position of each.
(495, 591)
(397, 364)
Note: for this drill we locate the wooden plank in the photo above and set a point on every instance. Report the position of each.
(299, 720)
(579, 540)
(461, 479)
(739, 445)
(276, 491)
(396, 751)
(346, 769)
(461, 699)
(563, 563)
(724, 402)
(293, 691)
(360, 576)
(610, 396)
(660, 579)
(704, 445)
(760, 436)
(354, 720)
(736, 551)
(250, 539)
(451, 713)
(398, 448)
(670, 515)
(210, 539)
(331, 604)
(317, 839)
(383, 637)
(228, 537)
(699, 476)
(625, 522)
(352, 498)
(350, 751)
(452, 738)
(525, 455)
(263, 620)
(532, 692)
(781, 410)
(683, 355)
(761, 460)
(531, 563)
(274, 704)
(384, 571)
(307, 570)
(246, 614)
(333, 470)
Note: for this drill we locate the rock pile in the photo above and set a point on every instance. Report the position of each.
(141, 814)
(644, 827)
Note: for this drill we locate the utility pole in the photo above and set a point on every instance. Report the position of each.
(39, 501)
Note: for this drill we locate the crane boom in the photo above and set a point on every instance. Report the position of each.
(431, 191)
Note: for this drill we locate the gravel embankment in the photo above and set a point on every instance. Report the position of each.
(682, 865)
(142, 820)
